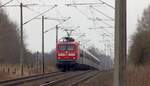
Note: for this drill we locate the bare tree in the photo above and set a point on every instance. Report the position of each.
(139, 52)
(10, 41)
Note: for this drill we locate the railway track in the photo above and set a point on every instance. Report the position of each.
(72, 80)
(17, 81)
(51, 79)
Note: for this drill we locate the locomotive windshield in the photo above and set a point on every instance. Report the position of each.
(66, 47)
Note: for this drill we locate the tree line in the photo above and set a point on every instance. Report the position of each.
(10, 42)
(139, 52)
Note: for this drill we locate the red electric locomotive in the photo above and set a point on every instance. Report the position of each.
(67, 52)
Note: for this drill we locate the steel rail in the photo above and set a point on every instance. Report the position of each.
(27, 79)
(61, 80)
(75, 83)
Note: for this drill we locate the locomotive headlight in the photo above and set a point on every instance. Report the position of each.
(74, 57)
(59, 58)
(61, 54)
(71, 54)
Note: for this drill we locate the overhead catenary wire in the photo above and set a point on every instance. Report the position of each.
(32, 10)
(24, 5)
(96, 18)
(94, 21)
(106, 23)
(99, 19)
(40, 14)
(107, 4)
(57, 25)
(18, 1)
(102, 13)
(103, 21)
(81, 12)
(58, 12)
(60, 18)
(93, 16)
(45, 5)
(100, 27)
(6, 3)
(74, 4)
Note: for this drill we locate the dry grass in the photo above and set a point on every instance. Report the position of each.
(9, 71)
(5, 76)
(138, 76)
(135, 76)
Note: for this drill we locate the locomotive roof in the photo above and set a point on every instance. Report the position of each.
(64, 42)
(67, 40)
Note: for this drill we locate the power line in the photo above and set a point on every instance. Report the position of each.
(107, 24)
(97, 11)
(11, 6)
(46, 5)
(96, 18)
(107, 4)
(32, 10)
(81, 12)
(94, 22)
(18, 1)
(56, 19)
(6, 3)
(57, 25)
(25, 5)
(101, 27)
(102, 13)
(40, 14)
(104, 19)
(58, 12)
(74, 4)
(99, 19)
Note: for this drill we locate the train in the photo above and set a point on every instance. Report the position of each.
(70, 56)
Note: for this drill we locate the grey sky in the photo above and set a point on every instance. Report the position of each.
(78, 18)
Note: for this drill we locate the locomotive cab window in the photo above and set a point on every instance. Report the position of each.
(70, 47)
(61, 47)
(66, 47)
